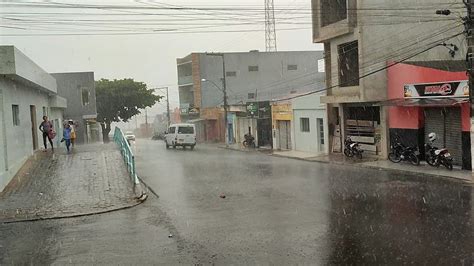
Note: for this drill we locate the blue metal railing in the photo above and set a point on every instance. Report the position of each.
(127, 154)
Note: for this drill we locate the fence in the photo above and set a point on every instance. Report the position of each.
(127, 153)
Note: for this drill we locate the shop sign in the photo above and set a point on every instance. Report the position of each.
(252, 109)
(445, 89)
(259, 109)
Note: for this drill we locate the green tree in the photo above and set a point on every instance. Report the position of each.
(120, 100)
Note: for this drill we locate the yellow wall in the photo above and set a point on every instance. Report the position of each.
(281, 112)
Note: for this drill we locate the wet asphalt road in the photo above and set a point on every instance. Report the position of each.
(276, 211)
(284, 211)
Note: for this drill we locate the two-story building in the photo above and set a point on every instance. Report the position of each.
(362, 41)
(251, 79)
(79, 90)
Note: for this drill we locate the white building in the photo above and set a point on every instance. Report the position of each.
(27, 92)
(309, 125)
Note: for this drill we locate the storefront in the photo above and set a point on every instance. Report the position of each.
(425, 100)
(281, 123)
(260, 112)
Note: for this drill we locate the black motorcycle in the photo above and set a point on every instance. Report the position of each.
(400, 152)
(436, 157)
(352, 148)
(249, 141)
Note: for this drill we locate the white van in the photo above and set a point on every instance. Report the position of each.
(183, 135)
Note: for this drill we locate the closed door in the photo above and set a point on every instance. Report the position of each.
(285, 135)
(34, 134)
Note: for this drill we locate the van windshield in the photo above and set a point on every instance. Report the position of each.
(186, 130)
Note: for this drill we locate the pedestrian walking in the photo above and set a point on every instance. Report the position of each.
(47, 128)
(73, 132)
(67, 136)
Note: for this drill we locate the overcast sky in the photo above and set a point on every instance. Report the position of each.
(149, 58)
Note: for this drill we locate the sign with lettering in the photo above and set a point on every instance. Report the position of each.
(444, 89)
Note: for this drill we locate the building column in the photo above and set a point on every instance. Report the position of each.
(384, 132)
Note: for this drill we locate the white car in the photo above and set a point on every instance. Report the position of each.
(130, 136)
(183, 135)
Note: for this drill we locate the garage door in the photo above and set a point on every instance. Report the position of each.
(285, 135)
(446, 123)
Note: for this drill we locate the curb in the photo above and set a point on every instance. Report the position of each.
(73, 215)
(446, 177)
(148, 187)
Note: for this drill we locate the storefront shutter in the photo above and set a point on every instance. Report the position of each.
(449, 135)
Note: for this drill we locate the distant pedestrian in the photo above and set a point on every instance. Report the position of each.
(47, 128)
(67, 136)
(73, 132)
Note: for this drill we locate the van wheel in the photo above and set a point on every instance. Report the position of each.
(192, 147)
(174, 146)
(184, 147)
(167, 146)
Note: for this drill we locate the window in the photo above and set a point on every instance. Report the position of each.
(253, 68)
(85, 96)
(321, 66)
(332, 11)
(16, 114)
(185, 130)
(172, 130)
(348, 64)
(292, 67)
(304, 124)
(251, 95)
(231, 74)
(321, 130)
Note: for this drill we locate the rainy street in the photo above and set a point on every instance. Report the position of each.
(275, 210)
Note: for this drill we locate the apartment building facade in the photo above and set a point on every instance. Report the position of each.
(362, 41)
(253, 78)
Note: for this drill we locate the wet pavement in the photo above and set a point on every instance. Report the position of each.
(93, 178)
(283, 211)
(275, 211)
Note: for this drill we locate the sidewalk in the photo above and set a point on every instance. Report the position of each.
(372, 162)
(92, 179)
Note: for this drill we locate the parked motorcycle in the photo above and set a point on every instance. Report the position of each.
(352, 148)
(249, 141)
(400, 152)
(436, 157)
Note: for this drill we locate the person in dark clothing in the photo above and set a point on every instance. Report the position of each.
(46, 127)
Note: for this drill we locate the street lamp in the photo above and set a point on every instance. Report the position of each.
(225, 104)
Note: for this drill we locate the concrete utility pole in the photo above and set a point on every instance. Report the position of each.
(224, 90)
(167, 103)
(470, 62)
(168, 106)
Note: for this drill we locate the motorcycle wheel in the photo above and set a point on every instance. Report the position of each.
(414, 159)
(245, 143)
(430, 160)
(448, 166)
(348, 153)
(394, 158)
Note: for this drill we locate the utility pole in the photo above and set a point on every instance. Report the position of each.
(470, 62)
(224, 90)
(168, 106)
(168, 115)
